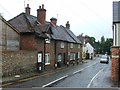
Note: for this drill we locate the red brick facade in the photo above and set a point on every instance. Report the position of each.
(32, 38)
(27, 42)
(50, 48)
(115, 73)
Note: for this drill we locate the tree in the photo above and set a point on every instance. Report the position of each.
(107, 45)
(102, 45)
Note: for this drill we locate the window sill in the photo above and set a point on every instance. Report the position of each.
(47, 63)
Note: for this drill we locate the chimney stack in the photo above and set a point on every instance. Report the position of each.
(41, 14)
(67, 25)
(27, 10)
(53, 21)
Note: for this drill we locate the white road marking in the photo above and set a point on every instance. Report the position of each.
(55, 81)
(78, 71)
(83, 68)
(66, 76)
(94, 78)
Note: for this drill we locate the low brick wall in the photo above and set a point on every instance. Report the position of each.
(18, 62)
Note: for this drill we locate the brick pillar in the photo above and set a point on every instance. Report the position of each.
(115, 63)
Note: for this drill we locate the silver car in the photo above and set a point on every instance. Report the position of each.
(104, 59)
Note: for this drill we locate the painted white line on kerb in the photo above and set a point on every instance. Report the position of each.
(94, 78)
(55, 81)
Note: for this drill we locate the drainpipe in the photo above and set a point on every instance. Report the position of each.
(44, 53)
(67, 54)
(55, 56)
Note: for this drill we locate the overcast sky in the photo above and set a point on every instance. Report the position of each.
(90, 17)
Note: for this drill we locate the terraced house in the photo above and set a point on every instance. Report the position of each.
(50, 46)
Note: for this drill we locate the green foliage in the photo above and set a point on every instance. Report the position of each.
(105, 45)
(101, 47)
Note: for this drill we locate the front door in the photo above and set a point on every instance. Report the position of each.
(39, 62)
(64, 57)
(39, 57)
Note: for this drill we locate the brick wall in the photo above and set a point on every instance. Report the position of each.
(18, 62)
(115, 73)
(27, 42)
(50, 48)
(39, 44)
(62, 51)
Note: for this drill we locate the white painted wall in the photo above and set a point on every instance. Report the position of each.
(116, 34)
(88, 47)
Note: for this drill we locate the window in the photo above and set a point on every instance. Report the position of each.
(62, 44)
(78, 54)
(59, 58)
(78, 45)
(47, 59)
(71, 45)
(72, 56)
(47, 40)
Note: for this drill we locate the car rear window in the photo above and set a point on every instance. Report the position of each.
(103, 56)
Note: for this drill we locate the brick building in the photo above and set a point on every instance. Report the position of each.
(115, 73)
(47, 43)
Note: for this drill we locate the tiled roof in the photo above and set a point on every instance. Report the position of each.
(3, 20)
(81, 39)
(59, 33)
(28, 23)
(20, 23)
(73, 36)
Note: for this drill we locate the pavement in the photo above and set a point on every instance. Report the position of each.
(9, 80)
(6, 81)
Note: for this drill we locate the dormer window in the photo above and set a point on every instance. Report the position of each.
(47, 40)
(62, 44)
(71, 45)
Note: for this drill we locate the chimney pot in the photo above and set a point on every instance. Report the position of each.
(27, 10)
(41, 14)
(27, 5)
(39, 7)
(67, 25)
(53, 21)
(42, 6)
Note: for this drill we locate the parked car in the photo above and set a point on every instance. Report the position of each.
(104, 59)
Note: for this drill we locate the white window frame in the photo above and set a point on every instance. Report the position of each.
(47, 59)
(71, 45)
(47, 40)
(62, 45)
(78, 45)
(78, 54)
(59, 57)
(72, 56)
